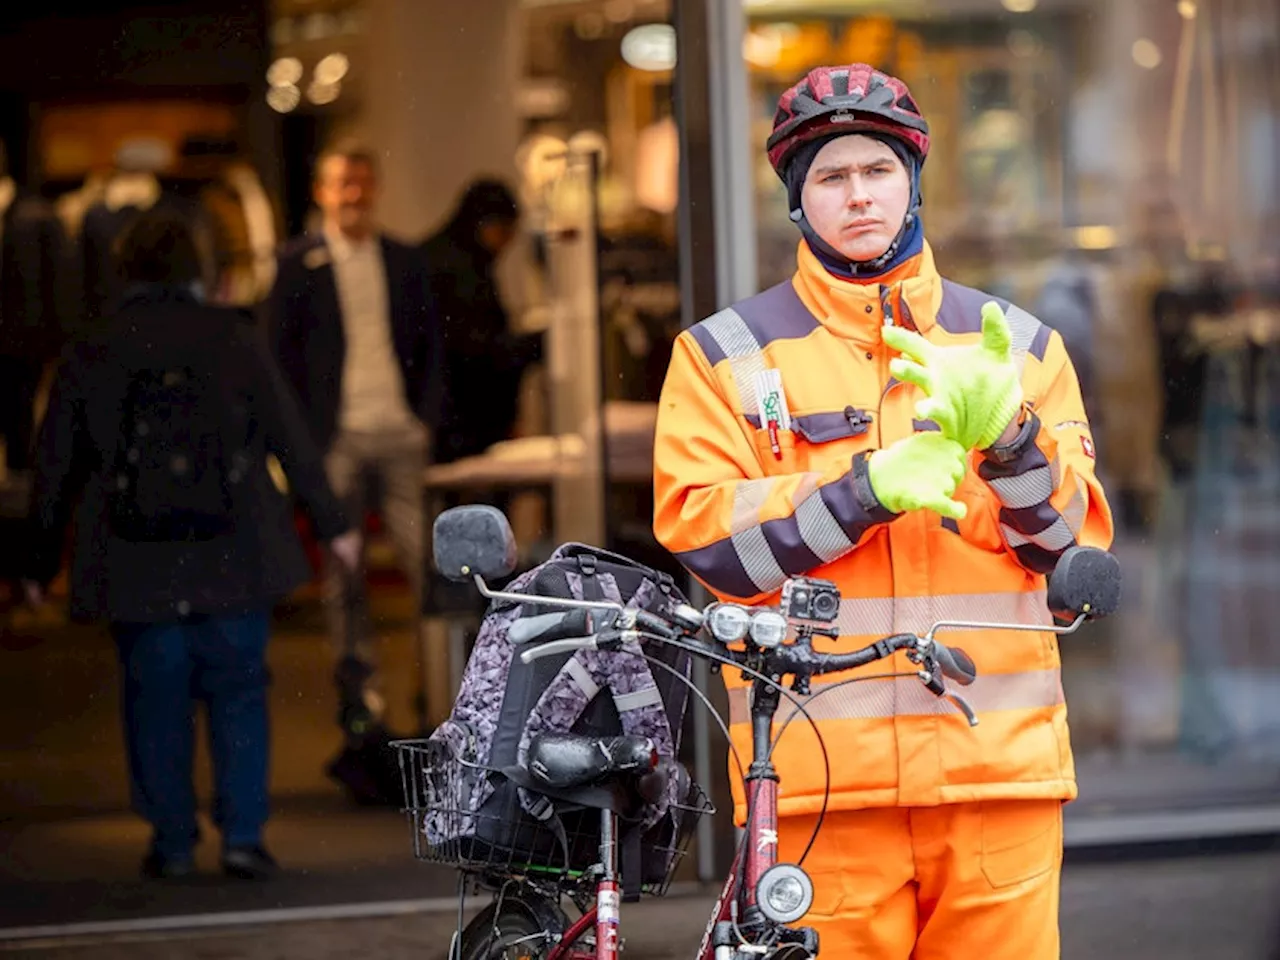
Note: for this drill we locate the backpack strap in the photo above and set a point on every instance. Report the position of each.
(630, 861)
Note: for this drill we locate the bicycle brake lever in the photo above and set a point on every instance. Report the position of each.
(967, 710)
(932, 679)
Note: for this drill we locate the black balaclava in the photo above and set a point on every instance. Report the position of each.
(910, 238)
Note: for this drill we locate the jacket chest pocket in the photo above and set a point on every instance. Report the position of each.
(815, 441)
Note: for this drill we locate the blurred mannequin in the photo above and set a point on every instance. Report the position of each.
(132, 188)
(31, 245)
(73, 205)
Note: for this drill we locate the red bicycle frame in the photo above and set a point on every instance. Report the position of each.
(755, 856)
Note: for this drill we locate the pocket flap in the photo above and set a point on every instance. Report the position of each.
(826, 427)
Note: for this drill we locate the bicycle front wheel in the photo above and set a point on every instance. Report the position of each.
(520, 930)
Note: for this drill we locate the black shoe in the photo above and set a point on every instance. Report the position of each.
(370, 771)
(159, 867)
(249, 863)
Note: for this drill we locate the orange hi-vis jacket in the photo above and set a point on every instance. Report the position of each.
(743, 511)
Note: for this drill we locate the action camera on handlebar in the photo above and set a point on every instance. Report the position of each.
(806, 598)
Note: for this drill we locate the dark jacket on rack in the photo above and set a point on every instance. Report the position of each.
(32, 262)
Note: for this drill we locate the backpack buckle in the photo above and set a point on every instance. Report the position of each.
(587, 564)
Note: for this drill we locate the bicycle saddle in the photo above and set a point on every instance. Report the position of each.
(562, 761)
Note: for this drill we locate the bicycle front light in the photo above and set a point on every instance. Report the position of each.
(768, 629)
(785, 893)
(728, 622)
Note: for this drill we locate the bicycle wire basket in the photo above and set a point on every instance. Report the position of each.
(469, 816)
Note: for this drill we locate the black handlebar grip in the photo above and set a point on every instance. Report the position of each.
(652, 623)
(955, 663)
(550, 626)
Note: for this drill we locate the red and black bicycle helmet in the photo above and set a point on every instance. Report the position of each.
(853, 99)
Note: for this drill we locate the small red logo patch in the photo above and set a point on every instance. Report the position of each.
(1088, 447)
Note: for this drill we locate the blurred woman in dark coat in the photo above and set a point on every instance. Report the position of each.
(483, 359)
(159, 428)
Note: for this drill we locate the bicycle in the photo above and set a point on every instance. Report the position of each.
(612, 779)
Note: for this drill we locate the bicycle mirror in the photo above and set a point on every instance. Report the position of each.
(473, 540)
(1085, 581)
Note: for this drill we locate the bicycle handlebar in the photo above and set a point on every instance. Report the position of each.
(547, 635)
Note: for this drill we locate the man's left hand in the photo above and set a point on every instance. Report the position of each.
(974, 392)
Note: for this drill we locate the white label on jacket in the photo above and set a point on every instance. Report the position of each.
(771, 400)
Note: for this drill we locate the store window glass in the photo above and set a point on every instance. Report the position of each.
(1115, 169)
(598, 172)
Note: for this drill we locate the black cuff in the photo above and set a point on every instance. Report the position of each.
(1006, 453)
(864, 494)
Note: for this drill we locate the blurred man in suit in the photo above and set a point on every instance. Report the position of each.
(355, 332)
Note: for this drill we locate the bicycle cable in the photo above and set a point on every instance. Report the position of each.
(822, 812)
(800, 708)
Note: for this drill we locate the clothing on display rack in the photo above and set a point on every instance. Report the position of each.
(31, 310)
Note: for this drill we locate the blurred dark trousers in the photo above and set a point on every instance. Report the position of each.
(19, 381)
(167, 669)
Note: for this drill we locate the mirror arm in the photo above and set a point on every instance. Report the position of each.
(976, 625)
(562, 602)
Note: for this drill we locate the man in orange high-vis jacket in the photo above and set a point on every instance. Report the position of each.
(925, 448)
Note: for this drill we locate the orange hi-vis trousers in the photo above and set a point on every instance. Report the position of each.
(952, 882)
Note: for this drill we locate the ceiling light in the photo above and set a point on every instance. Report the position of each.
(1019, 6)
(1146, 54)
(1187, 9)
(332, 68)
(650, 47)
(284, 72)
(283, 99)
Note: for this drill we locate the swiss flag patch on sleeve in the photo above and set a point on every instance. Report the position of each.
(1087, 444)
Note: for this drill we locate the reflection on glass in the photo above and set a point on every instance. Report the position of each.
(1116, 167)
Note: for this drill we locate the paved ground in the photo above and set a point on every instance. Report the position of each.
(1214, 908)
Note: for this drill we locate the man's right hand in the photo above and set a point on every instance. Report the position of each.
(347, 548)
(919, 472)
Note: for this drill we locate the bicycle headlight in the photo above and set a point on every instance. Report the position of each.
(785, 893)
(768, 629)
(728, 623)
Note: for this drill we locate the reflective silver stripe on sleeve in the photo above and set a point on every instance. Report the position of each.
(1077, 509)
(1023, 328)
(1057, 536)
(1025, 490)
(820, 530)
(757, 559)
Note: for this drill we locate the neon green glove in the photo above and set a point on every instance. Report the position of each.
(974, 391)
(919, 472)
